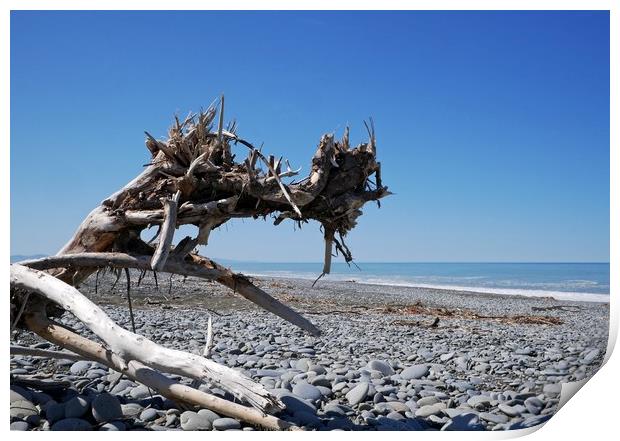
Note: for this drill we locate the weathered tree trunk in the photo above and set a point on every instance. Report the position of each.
(193, 179)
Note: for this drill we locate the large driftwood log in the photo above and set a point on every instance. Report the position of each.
(127, 346)
(89, 350)
(193, 178)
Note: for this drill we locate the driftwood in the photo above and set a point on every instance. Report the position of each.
(193, 178)
(567, 308)
(318, 307)
(39, 323)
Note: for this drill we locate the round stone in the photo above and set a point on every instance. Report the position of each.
(226, 424)
(446, 357)
(22, 409)
(534, 405)
(399, 407)
(295, 404)
(320, 380)
(131, 410)
(208, 414)
(73, 424)
(552, 390)
(427, 401)
(308, 419)
(303, 364)
(149, 415)
(80, 367)
(317, 368)
(40, 398)
(140, 392)
(431, 409)
(464, 421)
(590, 356)
(20, 425)
(479, 400)
(76, 407)
(20, 394)
(415, 372)
(307, 391)
(511, 411)
(54, 411)
(113, 426)
(525, 351)
(496, 418)
(339, 386)
(358, 394)
(106, 408)
(195, 421)
(381, 366)
(122, 387)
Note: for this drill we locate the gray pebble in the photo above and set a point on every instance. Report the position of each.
(76, 407)
(464, 421)
(511, 411)
(20, 425)
(427, 401)
(54, 411)
(552, 390)
(73, 424)
(22, 409)
(479, 401)
(534, 405)
(496, 418)
(140, 392)
(113, 426)
(381, 366)
(415, 372)
(149, 414)
(106, 407)
(194, 421)
(131, 410)
(226, 424)
(20, 394)
(208, 414)
(80, 367)
(431, 409)
(358, 394)
(307, 391)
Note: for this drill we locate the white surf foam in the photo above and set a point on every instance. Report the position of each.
(558, 295)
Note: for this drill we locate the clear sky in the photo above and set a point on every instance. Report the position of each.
(492, 127)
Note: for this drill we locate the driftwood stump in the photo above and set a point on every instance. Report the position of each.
(193, 178)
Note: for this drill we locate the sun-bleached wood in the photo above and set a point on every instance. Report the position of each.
(89, 350)
(128, 346)
(193, 178)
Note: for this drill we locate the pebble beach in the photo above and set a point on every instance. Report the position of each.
(389, 358)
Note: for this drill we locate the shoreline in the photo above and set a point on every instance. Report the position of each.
(573, 296)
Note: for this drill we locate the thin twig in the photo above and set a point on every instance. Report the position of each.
(21, 311)
(209, 342)
(133, 323)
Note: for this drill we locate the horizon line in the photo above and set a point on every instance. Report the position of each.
(426, 262)
(385, 261)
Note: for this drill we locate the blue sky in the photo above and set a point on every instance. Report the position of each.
(492, 127)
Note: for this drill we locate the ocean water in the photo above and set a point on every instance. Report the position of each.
(563, 281)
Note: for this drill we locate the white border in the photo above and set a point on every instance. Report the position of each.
(592, 415)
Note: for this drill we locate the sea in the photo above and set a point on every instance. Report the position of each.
(562, 281)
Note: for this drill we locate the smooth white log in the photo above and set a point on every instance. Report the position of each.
(129, 346)
(137, 371)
